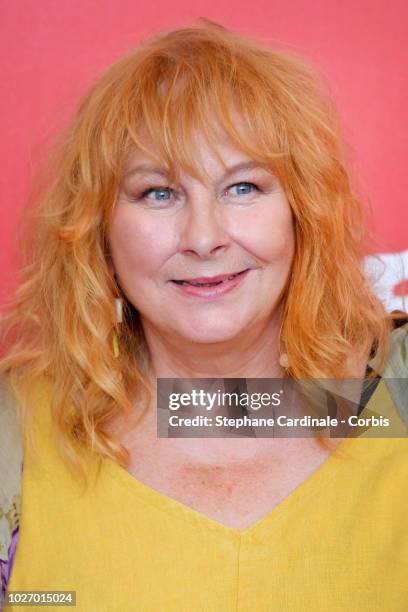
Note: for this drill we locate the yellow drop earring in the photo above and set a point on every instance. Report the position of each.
(119, 318)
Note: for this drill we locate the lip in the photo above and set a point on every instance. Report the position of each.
(215, 292)
(208, 279)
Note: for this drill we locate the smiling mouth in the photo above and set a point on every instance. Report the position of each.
(209, 283)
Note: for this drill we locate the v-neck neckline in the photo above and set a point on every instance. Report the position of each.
(164, 502)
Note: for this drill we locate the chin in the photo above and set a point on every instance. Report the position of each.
(208, 334)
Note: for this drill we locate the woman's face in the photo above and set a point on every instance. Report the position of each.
(168, 239)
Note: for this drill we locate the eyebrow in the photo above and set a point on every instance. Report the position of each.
(149, 169)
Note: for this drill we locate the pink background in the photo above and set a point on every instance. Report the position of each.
(51, 51)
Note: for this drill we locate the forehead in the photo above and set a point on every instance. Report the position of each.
(201, 155)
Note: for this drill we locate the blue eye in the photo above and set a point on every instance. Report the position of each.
(162, 191)
(244, 188)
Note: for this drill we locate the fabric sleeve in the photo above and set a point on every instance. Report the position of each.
(11, 465)
(395, 374)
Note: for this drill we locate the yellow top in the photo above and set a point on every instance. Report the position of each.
(338, 542)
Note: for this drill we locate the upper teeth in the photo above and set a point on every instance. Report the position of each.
(208, 282)
(221, 280)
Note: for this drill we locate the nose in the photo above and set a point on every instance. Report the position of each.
(204, 230)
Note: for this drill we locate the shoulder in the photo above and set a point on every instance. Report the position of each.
(394, 373)
(396, 365)
(11, 465)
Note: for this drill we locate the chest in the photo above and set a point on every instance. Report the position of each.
(237, 494)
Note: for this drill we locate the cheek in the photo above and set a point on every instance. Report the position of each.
(268, 232)
(137, 242)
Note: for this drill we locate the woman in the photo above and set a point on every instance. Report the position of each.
(200, 223)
